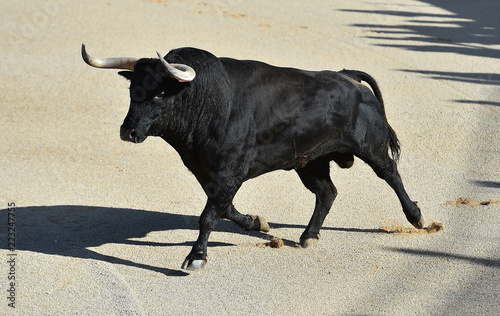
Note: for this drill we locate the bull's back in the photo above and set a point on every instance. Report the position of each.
(291, 116)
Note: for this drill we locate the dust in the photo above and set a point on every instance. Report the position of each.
(276, 242)
(434, 227)
(469, 201)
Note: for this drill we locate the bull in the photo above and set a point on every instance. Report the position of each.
(232, 120)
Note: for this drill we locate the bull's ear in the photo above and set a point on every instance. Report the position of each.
(127, 74)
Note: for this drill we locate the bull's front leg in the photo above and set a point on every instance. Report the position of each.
(211, 215)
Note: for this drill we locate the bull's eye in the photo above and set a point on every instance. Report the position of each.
(160, 96)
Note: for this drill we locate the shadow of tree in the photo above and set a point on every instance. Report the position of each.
(481, 261)
(469, 28)
(487, 184)
(476, 78)
(487, 79)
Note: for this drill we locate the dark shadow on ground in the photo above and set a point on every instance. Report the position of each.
(70, 230)
(491, 103)
(467, 29)
(476, 78)
(470, 28)
(487, 184)
(339, 229)
(486, 79)
(474, 260)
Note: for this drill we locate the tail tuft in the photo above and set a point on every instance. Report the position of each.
(394, 144)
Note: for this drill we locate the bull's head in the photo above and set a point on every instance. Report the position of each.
(154, 85)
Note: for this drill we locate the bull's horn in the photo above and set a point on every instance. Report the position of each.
(180, 72)
(113, 63)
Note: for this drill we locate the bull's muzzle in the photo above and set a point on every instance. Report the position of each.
(131, 135)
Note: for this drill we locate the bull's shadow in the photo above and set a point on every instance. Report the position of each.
(68, 230)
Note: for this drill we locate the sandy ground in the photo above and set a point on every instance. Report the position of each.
(102, 226)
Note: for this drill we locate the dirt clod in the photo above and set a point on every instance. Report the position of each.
(276, 242)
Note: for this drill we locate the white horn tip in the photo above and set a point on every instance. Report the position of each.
(181, 72)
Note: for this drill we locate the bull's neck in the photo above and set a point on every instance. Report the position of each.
(200, 116)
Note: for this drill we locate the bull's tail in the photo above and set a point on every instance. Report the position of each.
(363, 76)
(394, 144)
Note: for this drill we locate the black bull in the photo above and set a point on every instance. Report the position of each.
(239, 119)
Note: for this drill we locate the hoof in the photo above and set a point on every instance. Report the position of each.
(264, 226)
(421, 222)
(193, 264)
(308, 242)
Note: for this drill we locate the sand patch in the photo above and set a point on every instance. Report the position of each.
(235, 15)
(398, 229)
(469, 201)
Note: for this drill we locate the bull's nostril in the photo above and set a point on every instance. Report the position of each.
(129, 135)
(133, 135)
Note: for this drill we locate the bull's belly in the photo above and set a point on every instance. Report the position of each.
(293, 157)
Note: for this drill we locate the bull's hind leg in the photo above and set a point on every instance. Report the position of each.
(316, 177)
(247, 222)
(386, 169)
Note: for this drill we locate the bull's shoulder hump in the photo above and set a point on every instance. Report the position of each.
(245, 64)
(258, 69)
